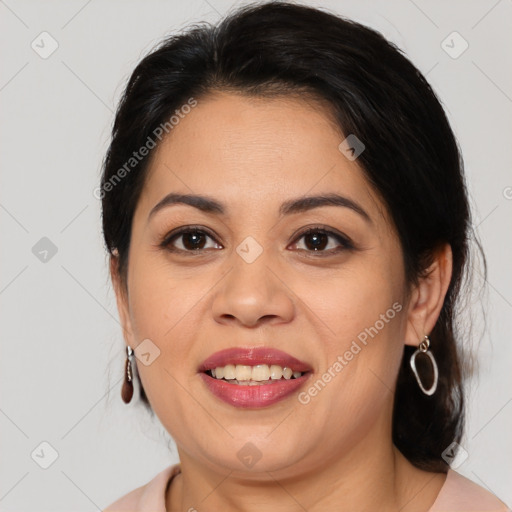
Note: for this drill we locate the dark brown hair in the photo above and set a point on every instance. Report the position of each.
(411, 158)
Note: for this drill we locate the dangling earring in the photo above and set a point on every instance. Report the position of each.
(423, 348)
(127, 389)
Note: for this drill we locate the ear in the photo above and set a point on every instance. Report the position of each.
(122, 301)
(427, 297)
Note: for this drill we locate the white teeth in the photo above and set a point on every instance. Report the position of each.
(248, 375)
(276, 372)
(260, 372)
(287, 373)
(229, 372)
(243, 372)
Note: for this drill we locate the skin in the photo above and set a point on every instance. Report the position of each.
(336, 452)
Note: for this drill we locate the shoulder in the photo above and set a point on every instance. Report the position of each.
(150, 496)
(462, 494)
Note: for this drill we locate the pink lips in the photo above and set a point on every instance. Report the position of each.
(252, 357)
(261, 395)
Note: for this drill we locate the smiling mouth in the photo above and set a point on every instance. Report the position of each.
(253, 375)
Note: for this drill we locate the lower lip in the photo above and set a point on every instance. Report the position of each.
(260, 395)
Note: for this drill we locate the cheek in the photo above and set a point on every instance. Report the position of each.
(359, 317)
(359, 303)
(162, 310)
(161, 300)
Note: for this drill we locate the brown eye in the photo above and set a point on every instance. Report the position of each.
(317, 240)
(191, 240)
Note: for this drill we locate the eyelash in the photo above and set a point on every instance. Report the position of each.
(346, 244)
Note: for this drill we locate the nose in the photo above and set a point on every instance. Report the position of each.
(252, 294)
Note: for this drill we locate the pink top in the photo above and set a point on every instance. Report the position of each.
(458, 494)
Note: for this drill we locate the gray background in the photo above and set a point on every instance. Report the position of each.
(62, 349)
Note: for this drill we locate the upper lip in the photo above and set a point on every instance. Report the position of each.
(253, 356)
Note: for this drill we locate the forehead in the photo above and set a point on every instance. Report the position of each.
(243, 149)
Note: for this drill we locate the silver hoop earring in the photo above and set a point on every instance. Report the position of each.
(423, 348)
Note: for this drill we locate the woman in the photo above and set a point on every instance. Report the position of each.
(285, 208)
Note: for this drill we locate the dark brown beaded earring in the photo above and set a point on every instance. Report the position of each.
(127, 389)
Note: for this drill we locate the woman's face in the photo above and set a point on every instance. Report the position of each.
(257, 281)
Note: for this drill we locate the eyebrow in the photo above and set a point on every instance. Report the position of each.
(301, 204)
